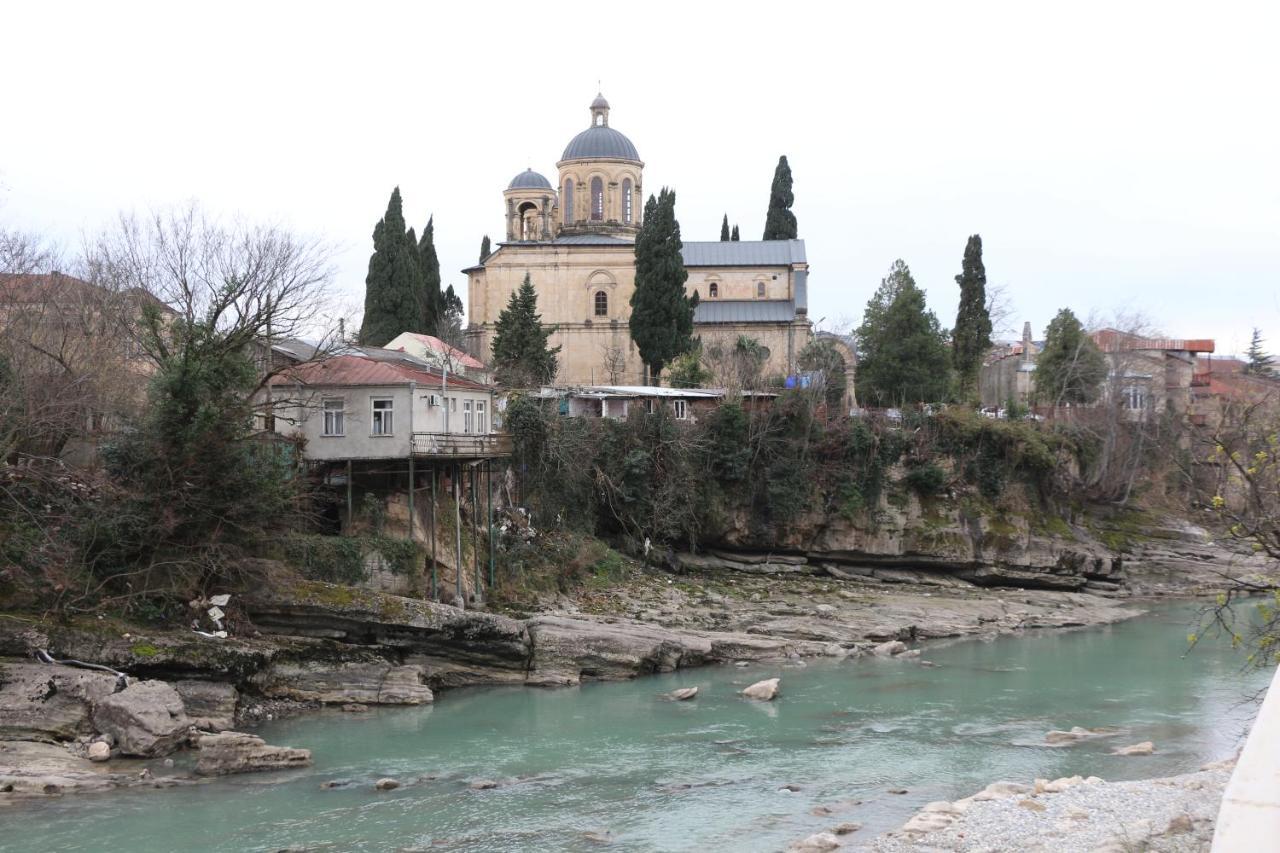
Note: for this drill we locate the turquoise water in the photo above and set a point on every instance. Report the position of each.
(615, 761)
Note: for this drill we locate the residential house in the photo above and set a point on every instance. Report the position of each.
(1145, 375)
(441, 355)
(358, 407)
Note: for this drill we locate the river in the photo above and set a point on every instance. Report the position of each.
(613, 760)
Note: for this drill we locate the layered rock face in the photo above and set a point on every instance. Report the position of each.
(49, 703)
(146, 719)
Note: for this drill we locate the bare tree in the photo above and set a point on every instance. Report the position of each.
(613, 362)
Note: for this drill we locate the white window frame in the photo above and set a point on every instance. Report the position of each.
(681, 409)
(482, 424)
(382, 422)
(339, 417)
(466, 417)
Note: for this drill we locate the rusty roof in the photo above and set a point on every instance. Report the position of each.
(357, 370)
(1113, 340)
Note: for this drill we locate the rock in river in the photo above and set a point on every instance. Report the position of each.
(683, 693)
(1144, 748)
(237, 752)
(762, 690)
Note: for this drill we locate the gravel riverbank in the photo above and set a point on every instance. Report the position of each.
(1170, 814)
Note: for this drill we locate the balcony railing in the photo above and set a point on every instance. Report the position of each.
(461, 445)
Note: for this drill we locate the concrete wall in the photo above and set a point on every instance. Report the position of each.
(1249, 818)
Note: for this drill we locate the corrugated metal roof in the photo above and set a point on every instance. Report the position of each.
(1112, 340)
(744, 253)
(359, 370)
(744, 311)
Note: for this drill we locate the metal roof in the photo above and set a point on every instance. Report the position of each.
(600, 142)
(345, 370)
(745, 311)
(744, 253)
(529, 179)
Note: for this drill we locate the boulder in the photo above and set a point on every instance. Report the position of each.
(211, 705)
(683, 694)
(762, 690)
(1077, 733)
(816, 843)
(236, 752)
(146, 719)
(99, 750)
(372, 682)
(48, 702)
(1144, 748)
(387, 784)
(889, 649)
(846, 828)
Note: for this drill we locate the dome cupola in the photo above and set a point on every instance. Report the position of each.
(600, 174)
(529, 180)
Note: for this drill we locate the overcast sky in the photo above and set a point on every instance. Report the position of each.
(1113, 156)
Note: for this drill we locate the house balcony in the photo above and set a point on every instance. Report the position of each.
(452, 445)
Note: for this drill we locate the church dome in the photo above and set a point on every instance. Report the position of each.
(529, 180)
(600, 142)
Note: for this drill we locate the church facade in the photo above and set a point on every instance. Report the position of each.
(576, 241)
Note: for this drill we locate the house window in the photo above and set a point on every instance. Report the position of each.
(602, 304)
(333, 425)
(626, 201)
(597, 200)
(682, 410)
(1134, 397)
(382, 423)
(567, 201)
(714, 290)
(482, 425)
(466, 416)
(759, 290)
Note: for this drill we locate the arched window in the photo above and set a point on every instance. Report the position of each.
(602, 304)
(567, 202)
(714, 290)
(759, 290)
(626, 200)
(597, 199)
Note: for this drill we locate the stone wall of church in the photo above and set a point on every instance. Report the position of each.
(597, 348)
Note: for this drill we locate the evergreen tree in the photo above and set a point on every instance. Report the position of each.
(394, 283)
(903, 356)
(780, 222)
(661, 314)
(484, 248)
(734, 236)
(1260, 363)
(430, 300)
(971, 338)
(449, 326)
(521, 357)
(1070, 368)
(724, 229)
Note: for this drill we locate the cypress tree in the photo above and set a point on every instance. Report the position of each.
(394, 282)
(1070, 368)
(724, 229)
(734, 237)
(430, 300)
(902, 349)
(661, 314)
(484, 248)
(971, 338)
(780, 222)
(1259, 364)
(521, 357)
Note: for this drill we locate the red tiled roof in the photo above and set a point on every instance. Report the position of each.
(354, 370)
(436, 345)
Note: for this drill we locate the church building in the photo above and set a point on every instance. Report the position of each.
(576, 241)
